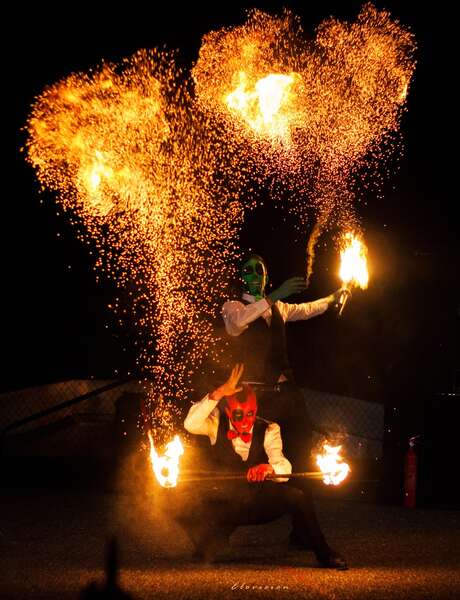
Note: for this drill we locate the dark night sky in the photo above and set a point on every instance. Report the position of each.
(401, 333)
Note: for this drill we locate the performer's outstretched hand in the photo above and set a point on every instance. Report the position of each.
(294, 285)
(230, 387)
(339, 295)
(259, 472)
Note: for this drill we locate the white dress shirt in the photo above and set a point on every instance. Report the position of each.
(203, 419)
(238, 316)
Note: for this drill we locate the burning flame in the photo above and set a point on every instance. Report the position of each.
(331, 465)
(265, 105)
(353, 262)
(166, 468)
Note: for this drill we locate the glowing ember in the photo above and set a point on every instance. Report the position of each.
(331, 465)
(353, 262)
(166, 467)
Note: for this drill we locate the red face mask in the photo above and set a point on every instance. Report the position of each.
(242, 414)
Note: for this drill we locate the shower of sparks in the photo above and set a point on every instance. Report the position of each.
(248, 76)
(336, 104)
(134, 166)
(152, 177)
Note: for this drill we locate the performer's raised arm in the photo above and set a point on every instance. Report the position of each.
(203, 416)
(307, 310)
(238, 316)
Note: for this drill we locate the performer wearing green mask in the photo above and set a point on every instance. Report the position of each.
(256, 326)
(256, 323)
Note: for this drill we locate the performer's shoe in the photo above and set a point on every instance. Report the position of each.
(212, 550)
(332, 560)
(299, 541)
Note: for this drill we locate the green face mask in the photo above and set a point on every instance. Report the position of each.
(254, 276)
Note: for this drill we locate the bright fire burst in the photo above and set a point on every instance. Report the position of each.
(332, 465)
(134, 165)
(353, 262)
(265, 104)
(336, 107)
(166, 467)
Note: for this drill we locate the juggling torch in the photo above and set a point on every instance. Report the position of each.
(343, 299)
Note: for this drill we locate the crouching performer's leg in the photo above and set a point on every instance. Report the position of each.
(288, 407)
(208, 517)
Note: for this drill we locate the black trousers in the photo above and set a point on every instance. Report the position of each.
(289, 409)
(214, 513)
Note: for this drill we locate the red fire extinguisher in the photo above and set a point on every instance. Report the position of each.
(410, 475)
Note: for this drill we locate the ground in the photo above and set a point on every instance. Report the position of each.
(53, 544)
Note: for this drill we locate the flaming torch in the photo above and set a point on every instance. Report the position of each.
(353, 266)
(332, 465)
(166, 467)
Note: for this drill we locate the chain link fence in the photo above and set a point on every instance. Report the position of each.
(51, 427)
(358, 424)
(21, 404)
(88, 424)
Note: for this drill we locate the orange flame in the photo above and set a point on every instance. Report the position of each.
(166, 467)
(353, 262)
(264, 105)
(331, 464)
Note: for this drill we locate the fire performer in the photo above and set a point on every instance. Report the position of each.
(256, 325)
(243, 442)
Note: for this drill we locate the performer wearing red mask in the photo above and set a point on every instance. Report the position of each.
(242, 442)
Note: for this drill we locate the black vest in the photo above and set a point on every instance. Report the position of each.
(263, 349)
(224, 456)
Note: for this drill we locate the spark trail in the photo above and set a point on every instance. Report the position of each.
(335, 106)
(134, 166)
